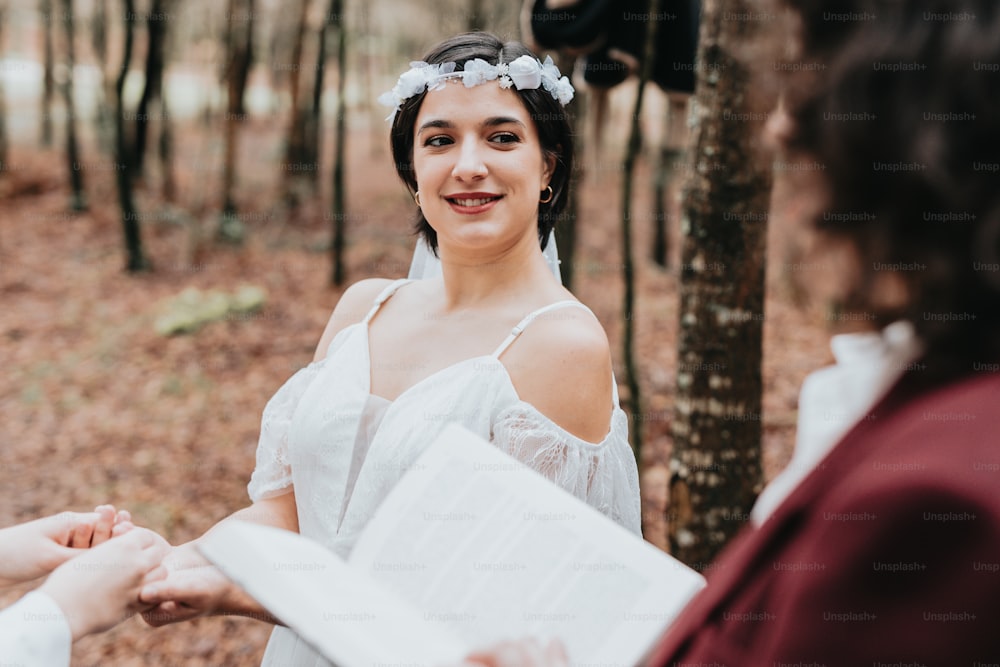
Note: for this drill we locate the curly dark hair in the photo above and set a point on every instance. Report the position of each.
(550, 119)
(898, 102)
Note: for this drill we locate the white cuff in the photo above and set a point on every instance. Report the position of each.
(34, 632)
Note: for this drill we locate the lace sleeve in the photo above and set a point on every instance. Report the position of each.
(272, 474)
(604, 475)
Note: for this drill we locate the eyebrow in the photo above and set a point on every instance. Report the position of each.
(492, 121)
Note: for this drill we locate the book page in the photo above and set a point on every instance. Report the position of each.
(492, 550)
(350, 619)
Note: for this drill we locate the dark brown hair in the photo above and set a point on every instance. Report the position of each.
(897, 103)
(548, 115)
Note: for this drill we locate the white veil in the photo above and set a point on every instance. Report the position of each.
(425, 263)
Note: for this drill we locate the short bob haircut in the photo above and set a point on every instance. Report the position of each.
(550, 118)
(913, 173)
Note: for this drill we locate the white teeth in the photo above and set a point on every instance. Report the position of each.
(473, 202)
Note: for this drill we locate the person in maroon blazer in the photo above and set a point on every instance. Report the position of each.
(879, 545)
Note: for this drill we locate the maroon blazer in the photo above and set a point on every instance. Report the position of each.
(887, 554)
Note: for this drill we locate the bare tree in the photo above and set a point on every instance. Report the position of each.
(48, 80)
(239, 58)
(99, 41)
(78, 201)
(296, 160)
(668, 159)
(337, 20)
(628, 264)
(716, 459)
(135, 257)
(3, 99)
(313, 119)
(475, 20)
(565, 229)
(156, 36)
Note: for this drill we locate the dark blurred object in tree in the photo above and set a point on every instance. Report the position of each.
(156, 36)
(239, 58)
(78, 200)
(48, 80)
(336, 20)
(716, 469)
(135, 258)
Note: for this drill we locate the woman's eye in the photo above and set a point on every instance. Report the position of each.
(438, 141)
(505, 138)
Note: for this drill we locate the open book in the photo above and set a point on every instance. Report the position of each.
(471, 547)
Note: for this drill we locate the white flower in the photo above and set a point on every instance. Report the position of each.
(478, 71)
(549, 69)
(413, 81)
(525, 72)
(563, 91)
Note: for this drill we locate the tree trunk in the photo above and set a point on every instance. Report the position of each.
(156, 31)
(628, 263)
(166, 151)
(565, 229)
(314, 128)
(716, 460)
(475, 19)
(295, 162)
(3, 99)
(135, 258)
(103, 123)
(78, 202)
(239, 58)
(48, 80)
(339, 273)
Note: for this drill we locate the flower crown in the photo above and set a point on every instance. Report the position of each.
(524, 73)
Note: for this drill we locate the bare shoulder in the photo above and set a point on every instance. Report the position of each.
(352, 307)
(561, 364)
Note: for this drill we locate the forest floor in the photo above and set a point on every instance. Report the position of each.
(97, 407)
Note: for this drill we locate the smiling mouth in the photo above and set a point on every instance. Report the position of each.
(471, 202)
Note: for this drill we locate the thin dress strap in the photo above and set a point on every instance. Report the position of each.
(383, 296)
(523, 324)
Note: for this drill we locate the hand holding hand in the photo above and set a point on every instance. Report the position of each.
(522, 653)
(100, 588)
(193, 588)
(33, 549)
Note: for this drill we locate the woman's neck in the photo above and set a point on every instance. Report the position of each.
(478, 279)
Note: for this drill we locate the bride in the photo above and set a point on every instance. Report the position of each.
(491, 340)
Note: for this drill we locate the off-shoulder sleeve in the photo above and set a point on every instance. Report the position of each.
(273, 475)
(604, 475)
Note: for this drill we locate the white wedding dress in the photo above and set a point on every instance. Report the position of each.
(343, 449)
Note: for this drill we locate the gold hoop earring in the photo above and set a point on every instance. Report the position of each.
(416, 197)
(549, 198)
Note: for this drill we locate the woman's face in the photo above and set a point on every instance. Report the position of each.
(479, 167)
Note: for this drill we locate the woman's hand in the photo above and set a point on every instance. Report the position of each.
(522, 653)
(100, 588)
(33, 549)
(193, 588)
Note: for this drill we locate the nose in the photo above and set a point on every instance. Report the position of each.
(469, 165)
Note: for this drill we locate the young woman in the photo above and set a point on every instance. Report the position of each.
(494, 342)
